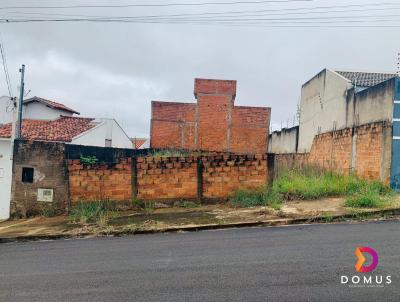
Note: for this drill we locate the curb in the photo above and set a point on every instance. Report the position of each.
(268, 223)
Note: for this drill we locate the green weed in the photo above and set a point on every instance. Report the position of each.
(93, 211)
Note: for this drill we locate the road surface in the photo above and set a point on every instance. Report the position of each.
(295, 263)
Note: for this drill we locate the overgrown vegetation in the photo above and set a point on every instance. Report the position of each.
(314, 183)
(99, 212)
(258, 197)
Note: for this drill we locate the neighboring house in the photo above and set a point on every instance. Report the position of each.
(349, 122)
(140, 143)
(329, 102)
(46, 120)
(35, 108)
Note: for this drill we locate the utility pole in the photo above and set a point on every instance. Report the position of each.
(18, 133)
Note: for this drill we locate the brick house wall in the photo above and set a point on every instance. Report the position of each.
(213, 123)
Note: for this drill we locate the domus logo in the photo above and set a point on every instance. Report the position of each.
(361, 259)
(362, 266)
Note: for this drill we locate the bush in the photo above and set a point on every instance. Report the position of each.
(93, 211)
(258, 197)
(366, 199)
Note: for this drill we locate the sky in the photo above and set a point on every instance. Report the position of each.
(115, 69)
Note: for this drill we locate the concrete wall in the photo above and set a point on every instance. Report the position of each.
(39, 111)
(107, 129)
(322, 106)
(5, 178)
(50, 172)
(5, 114)
(370, 105)
(284, 141)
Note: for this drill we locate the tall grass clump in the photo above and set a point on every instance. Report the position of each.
(99, 212)
(314, 183)
(257, 197)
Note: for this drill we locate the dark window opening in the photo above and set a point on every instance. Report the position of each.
(27, 175)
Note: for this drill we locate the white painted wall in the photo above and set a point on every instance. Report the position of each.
(284, 141)
(5, 115)
(39, 111)
(322, 106)
(5, 178)
(107, 129)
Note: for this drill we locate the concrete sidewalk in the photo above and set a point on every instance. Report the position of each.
(190, 219)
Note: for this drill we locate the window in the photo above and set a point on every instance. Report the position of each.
(108, 143)
(27, 175)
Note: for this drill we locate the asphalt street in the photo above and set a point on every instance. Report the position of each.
(294, 263)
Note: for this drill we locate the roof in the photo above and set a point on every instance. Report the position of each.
(50, 104)
(366, 79)
(138, 142)
(63, 129)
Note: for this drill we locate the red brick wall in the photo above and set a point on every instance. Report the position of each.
(249, 131)
(223, 175)
(365, 150)
(173, 125)
(100, 181)
(213, 124)
(213, 117)
(166, 177)
(370, 148)
(333, 151)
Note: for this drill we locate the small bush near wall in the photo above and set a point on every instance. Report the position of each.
(99, 212)
(258, 197)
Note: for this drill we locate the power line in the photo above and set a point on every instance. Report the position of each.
(4, 60)
(241, 12)
(153, 5)
(211, 17)
(216, 21)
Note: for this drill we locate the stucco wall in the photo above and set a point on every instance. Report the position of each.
(39, 111)
(5, 178)
(370, 105)
(284, 141)
(322, 106)
(107, 129)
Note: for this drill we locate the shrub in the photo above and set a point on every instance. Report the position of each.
(93, 211)
(367, 199)
(189, 204)
(257, 197)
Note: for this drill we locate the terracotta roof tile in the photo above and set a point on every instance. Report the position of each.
(138, 142)
(51, 104)
(63, 129)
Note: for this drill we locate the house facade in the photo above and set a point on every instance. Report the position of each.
(45, 120)
(349, 122)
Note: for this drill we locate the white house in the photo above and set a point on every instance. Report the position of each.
(46, 120)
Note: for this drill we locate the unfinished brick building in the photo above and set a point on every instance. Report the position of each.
(214, 123)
